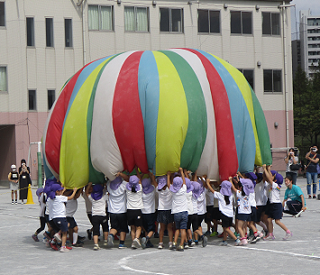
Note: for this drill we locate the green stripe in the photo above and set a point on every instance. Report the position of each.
(197, 127)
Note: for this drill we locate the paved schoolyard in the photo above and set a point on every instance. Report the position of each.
(19, 254)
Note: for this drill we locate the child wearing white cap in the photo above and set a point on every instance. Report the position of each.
(13, 177)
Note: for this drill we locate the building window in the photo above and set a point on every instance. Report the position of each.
(136, 19)
(68, 33)
(171, 20)
(3, 79)
(313, 22)
(49, 32)
(249, 75)
(100, 18)
(272, 81)
(241, 22)
(2, 15)
(208, 21)
(51, 98)
(270, 23)
(32, 100)
(30, 31)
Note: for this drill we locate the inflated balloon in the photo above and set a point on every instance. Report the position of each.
(157, 110)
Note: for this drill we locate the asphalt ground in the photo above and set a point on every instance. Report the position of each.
(19, 254)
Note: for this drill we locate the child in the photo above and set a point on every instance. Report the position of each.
(179, 207)
(59, 212)
(13, 177)
(274, 209)
(98, 198)
(88, 210)
(164, 217)
(42, 201)
(216, 214)
(225, 198)
(148, 210)
(134, 206)
(117, 209)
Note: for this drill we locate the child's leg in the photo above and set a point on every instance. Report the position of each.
(278, 222)
(183, 236)
(74, 235)
(133, 232)
(176, 235)
(161, 233)
(269, 225)
(226, 232)
(138, 232)
(63, 238)
(170, 231)
(12, 192)
(16, 194)
(241, 225)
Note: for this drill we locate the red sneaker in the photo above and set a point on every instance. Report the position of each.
(53, 246)
(221, 235)
(68, 247)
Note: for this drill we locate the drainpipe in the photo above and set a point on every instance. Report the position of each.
(81, 3)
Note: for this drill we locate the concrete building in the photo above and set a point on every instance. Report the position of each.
(296, 56)
(310, 41)
(43, 43)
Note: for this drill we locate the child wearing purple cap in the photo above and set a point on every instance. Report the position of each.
(274, 209)
(98, 198)
(134, 206)
(225, 198)
(42, 202)
(59, 212)
(164, 217)
(179, 208)
(118, 208)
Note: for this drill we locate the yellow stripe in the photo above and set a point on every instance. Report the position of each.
(172, 122)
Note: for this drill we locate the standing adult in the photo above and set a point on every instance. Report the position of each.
(289, 160)
(311, 171)
(24, 181)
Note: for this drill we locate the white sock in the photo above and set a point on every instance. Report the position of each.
(75, 237)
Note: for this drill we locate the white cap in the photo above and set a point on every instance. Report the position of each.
(13, 166)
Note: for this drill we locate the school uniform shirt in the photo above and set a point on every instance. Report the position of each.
(165, 199)
(71, 208)
(99, 206)
(294, 194)
(88, 204)
(42, 204)
(274, 193)
(179, 200)
(117, 199)
(252, 200)
(209, 198)
(190, 203)
(243, 203)
(59, 207)
(260, 192)
(49, 208)
(201, 203)
(148, 202)
(215, 200)
(225, 209)
(134, 199)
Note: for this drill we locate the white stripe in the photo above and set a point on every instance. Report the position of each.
(208, 164)
(105, 152)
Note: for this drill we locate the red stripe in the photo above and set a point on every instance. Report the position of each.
(127, 116)
(227, 151)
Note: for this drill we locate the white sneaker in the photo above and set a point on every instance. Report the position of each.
(58, 237)
(64, 249)
(160, 246)
(96, 247)
(136, 243)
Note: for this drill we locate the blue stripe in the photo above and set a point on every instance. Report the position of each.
(148, 83)
(242, 126)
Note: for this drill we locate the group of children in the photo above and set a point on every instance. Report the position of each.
(176, 201)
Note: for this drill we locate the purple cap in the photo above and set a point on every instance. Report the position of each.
(189, 185)
(133, 182)
(201, 185)
(225, 189)
(53, 188)
(39, 191)
(114, 184)
(162, 182)
(196, 189)
(278, 179)
(97, 192)
(247, 186)
(176, 184)
(147, 187)
(251, 176)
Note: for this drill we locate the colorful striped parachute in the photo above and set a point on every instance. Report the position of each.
(157, 110)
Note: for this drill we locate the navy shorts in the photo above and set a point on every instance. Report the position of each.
(216, 214)
(149, 222)
(72, 222)
(61, 223)
(243, 217)
(193, 220)
(274, 210)
(254, 214)
(97, 221)
(200, 219)
(260, 210)
(208, 216)
(134, 217)
(119, 222)
(165, 216)
(181, 220)
(226, 221)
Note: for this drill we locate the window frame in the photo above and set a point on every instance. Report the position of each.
(6, 75)
(271, 14)
(209, 21)
(70, 29)
(135, 19)
(30, 32)
(251, 70)
(241, 23)
(50, 33)
(99, 18)
(49, 99)
(170, 20)
(4, 14)
(272, 81)
(34, 101)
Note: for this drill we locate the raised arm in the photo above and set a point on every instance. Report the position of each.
(123, 176)
(232, 185)
(153, 179)
(182, 176)
(209, 186)
(268, 174)
(73, 193)
(168, 179)
(88, 187)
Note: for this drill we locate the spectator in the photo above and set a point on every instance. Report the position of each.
(311, 170)
(289, 160)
